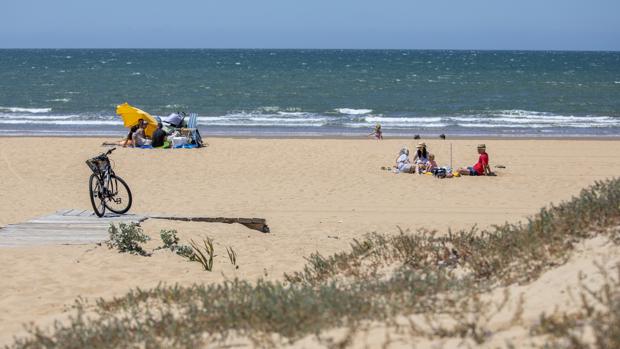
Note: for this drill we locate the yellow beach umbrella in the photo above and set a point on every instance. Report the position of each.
(131, 116)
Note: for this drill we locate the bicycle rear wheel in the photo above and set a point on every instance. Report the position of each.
(118, 198)
(96, 195)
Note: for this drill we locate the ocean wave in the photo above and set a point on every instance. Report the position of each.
(176, 106)
(293, 113)
(294, 118)
(543, 116)
(253, 119)
(267, 120)
(499, 126)
(412, 120)
(26, 110)
(38, 117)
(61, 122)
(64, 100)
(559, 120)
(402, 126)
(349, 111)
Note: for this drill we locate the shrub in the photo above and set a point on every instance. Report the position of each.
(171, 241)
(169, 238)
(127, 238)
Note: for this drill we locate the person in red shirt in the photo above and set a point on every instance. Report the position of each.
(481, 168)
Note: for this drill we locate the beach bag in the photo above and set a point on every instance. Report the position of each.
(178, 142)
(440, 172)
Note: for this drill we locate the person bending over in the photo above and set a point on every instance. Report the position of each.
(481, 168)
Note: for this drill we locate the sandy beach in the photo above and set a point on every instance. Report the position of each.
(316, 194)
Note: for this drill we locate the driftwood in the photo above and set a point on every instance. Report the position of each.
(259, 224)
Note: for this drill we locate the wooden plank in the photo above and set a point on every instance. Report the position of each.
(65, 227)
(50, 228)
(259, 224)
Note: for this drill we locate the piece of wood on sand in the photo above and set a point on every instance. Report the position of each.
(259, 224)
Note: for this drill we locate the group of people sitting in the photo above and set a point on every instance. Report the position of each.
(137, 136)
(424, 162)
(168, 136)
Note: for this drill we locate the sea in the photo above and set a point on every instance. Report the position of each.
(74, 92)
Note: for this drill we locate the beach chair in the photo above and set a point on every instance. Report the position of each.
(192, 129)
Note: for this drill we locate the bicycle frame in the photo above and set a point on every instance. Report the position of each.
(105, 183)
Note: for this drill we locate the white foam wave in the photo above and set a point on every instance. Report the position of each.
(293, 113)
(349, 111)
(61, 122)
(411, 120)
(250, 119)
(534, 119)
(399, 125)
(26, 110)
(176, 106)
(37, 117)
(64, 100)
(487, 125)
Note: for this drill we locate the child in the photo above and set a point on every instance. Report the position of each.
(431, 164)
(377, 132)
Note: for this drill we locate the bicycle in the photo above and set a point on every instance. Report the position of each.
(107, 190)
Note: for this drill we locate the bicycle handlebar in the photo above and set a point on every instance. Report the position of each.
(105, 155)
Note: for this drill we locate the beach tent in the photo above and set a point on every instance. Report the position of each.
(131, 115)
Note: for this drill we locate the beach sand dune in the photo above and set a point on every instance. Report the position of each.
(317, 195)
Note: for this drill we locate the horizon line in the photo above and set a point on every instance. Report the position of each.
(309, 49)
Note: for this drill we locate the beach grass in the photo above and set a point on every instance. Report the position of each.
(381, 277)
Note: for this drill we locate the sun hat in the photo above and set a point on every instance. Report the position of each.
(482, 146)
(421, 145)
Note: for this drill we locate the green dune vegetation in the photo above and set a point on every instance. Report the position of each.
(382, 278)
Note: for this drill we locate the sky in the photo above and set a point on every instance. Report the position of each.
(344, 24)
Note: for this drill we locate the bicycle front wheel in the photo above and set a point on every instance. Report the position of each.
(96, 195)
(118, 198)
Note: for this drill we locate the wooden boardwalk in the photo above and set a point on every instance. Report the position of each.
(65, 227)
(80, 227)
